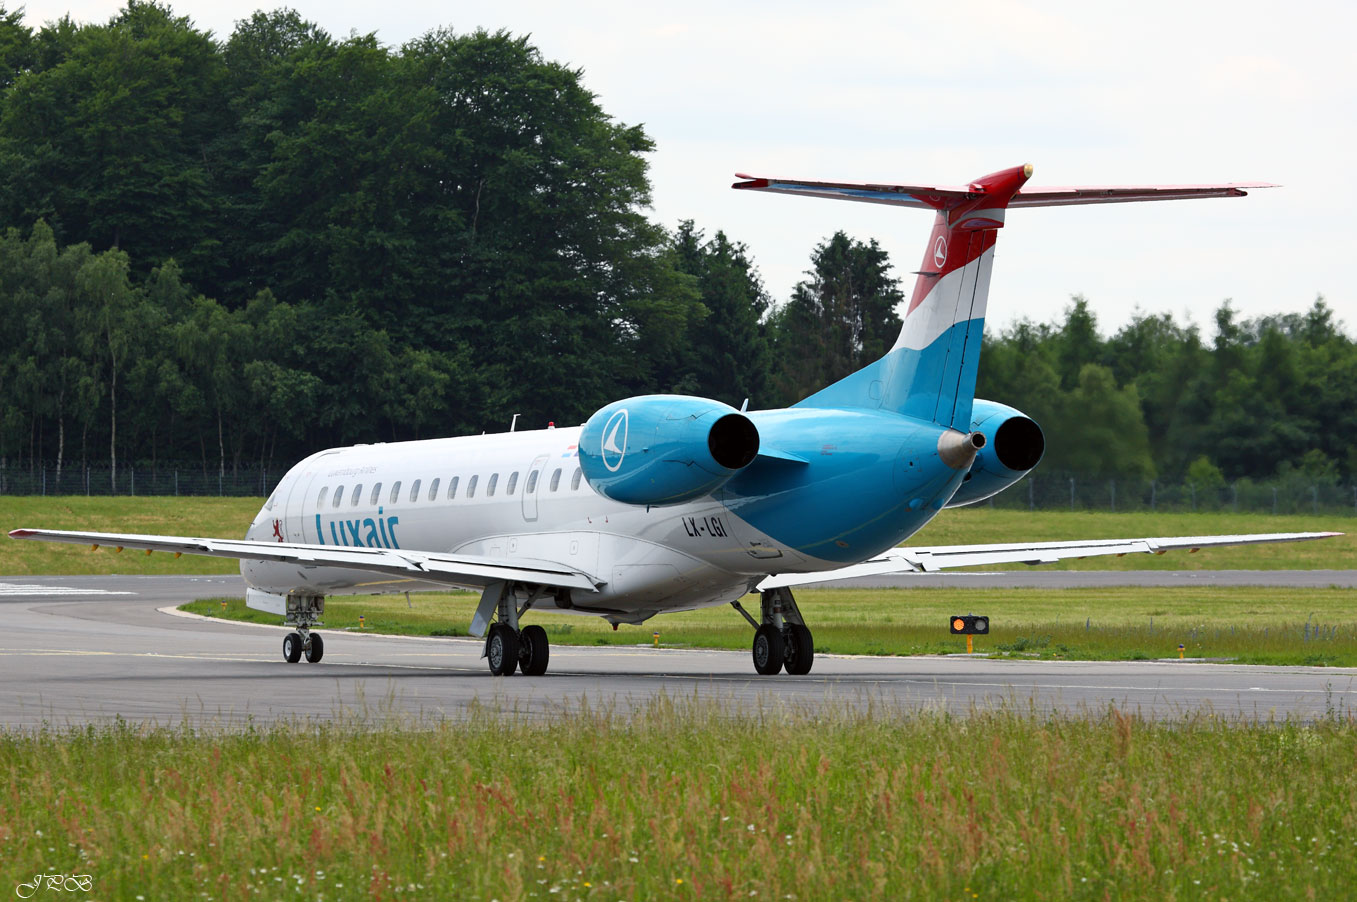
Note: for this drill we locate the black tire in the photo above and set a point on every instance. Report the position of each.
(534, 650)
(501, 649)
(316, 650)
(292, 648)
(769, 650)
(800, 653)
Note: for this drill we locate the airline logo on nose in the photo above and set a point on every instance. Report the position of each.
(615, 440)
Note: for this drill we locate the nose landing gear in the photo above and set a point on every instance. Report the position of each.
(303, 612)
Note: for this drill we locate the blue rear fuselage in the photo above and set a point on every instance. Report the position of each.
(869, 480)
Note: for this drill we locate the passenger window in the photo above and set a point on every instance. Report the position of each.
(414, 491)
(357, 493)
(433, 489)
(376, 495)
(490, 487)
(513, 483)
(339, 496)
(575, 480)
(452, 487)
(395, 492)
(532, 483)
(320, 499)
(556, 479)
(471, 486)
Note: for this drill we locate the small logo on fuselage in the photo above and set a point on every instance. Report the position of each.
(613, 449)
(940, 252)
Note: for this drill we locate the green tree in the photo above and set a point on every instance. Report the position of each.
(108, 137)
(1101, 429)
(1077, 343)
(17, 53)
(728, 352)
(108, 326)
(838, 320)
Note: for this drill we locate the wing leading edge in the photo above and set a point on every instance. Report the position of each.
(946, 557)
(468, 571)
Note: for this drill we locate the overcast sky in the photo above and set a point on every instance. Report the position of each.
(1154, 91)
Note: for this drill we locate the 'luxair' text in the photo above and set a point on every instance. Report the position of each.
(378, 532)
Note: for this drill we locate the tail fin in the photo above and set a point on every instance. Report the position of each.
(930, 372)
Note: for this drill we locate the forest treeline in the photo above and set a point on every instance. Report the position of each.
(238, 250)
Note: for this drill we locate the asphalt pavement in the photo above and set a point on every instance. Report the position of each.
(87, 649)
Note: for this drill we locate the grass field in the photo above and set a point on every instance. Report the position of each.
(213, 517)
(686, 801)
(229, 517)
(1246, 624)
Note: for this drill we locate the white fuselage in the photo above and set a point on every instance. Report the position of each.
(516, 496)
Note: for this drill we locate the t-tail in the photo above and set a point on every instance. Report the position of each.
(930, 372)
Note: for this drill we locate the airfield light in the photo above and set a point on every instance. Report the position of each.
(970, 626)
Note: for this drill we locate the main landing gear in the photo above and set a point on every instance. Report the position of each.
(507, 647)
(781, 640)
(303, 612)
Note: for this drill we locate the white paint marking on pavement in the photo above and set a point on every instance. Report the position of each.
(23, 589)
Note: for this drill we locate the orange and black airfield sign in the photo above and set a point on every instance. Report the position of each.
(969, 625)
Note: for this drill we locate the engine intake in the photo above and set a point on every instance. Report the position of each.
(665, 449)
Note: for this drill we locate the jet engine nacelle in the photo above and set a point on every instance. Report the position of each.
(1014, 444)
(665, 449)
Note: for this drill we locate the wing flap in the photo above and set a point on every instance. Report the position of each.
(946, 557)
(453, 569)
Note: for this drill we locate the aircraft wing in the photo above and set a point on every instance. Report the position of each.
(945, 557)
(463, 570)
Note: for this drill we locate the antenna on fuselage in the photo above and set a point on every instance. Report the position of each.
(513, 424)
(744, 406)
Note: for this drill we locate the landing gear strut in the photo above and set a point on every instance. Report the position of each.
(303, 612)
(507, 647)
(781, 640)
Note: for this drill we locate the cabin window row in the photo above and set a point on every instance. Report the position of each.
(355, 494)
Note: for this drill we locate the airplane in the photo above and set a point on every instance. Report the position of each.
(662, 503)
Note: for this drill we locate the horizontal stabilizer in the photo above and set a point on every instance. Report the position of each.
(947, 197)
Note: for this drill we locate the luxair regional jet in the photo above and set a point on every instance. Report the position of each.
(665, 503)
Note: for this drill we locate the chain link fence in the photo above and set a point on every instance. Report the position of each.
(1295, 494)
(138, 479)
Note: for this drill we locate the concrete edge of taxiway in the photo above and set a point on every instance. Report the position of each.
(373, 634)
(175, 612)
(1187, 662)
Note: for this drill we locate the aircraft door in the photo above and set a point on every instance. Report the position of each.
(534, 485)
(299, 512)
(300, 505)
